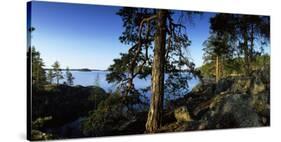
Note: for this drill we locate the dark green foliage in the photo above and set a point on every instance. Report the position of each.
(217, 46)
(118, 69)
(50, 76)
(234, 36)
(69, 77)
(176, 84)
(57, 72)
(105, 117)
(38, 73)
(138, 35)
(38, 78)
(207, 70)
(111, 114)
(132, 18)
(64, 104)
(223, 24)
(261, 61)
(234, 66)
(140, 31)
(220, 45)
(96, 95)
(252, 34)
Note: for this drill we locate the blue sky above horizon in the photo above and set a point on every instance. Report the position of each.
(86, 36)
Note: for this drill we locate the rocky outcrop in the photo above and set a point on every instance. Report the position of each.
(233, 102)
(232, 111)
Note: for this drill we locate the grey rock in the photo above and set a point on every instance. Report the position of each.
(182, 114)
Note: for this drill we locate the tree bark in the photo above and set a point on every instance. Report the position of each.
(221, 61)
(246, 52)
(251, 51)
(217, 69)
(156, 101)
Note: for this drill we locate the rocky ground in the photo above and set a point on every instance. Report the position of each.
(233, 102)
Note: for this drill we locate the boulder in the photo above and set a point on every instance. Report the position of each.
(204, 89)
(223, 85)
(257, 86)
(261, 104)
(233, 111)
(241, 85)
(182, 114)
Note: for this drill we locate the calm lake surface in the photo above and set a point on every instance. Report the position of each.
(89, 78)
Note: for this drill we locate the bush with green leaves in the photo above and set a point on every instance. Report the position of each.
(111, 113)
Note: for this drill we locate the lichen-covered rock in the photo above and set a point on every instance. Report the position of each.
(261, 104)
(233, 111)
(257, 85)
(182, 114)
(241, 85)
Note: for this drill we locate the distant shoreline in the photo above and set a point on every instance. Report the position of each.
(83, 69)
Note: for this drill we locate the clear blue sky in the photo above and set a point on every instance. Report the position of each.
(86, 36)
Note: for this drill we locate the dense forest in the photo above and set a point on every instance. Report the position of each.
(234, 88)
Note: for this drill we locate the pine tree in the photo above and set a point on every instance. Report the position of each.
(248, 31)
(142, 28)
(218, 50)
(57, 72)
(50, 76)
(38, 72)
(69, 77)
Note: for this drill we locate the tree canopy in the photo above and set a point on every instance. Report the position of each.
(159, 41)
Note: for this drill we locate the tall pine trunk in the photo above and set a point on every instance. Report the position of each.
(251, 51)
(217, 69)
(156, 101)
(221, 61)
(246, 55)
(246, 50)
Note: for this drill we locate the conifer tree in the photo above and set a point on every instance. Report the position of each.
(158, 41)
(57, 72)
(69, 77)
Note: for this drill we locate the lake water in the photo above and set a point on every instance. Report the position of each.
(89, 79)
